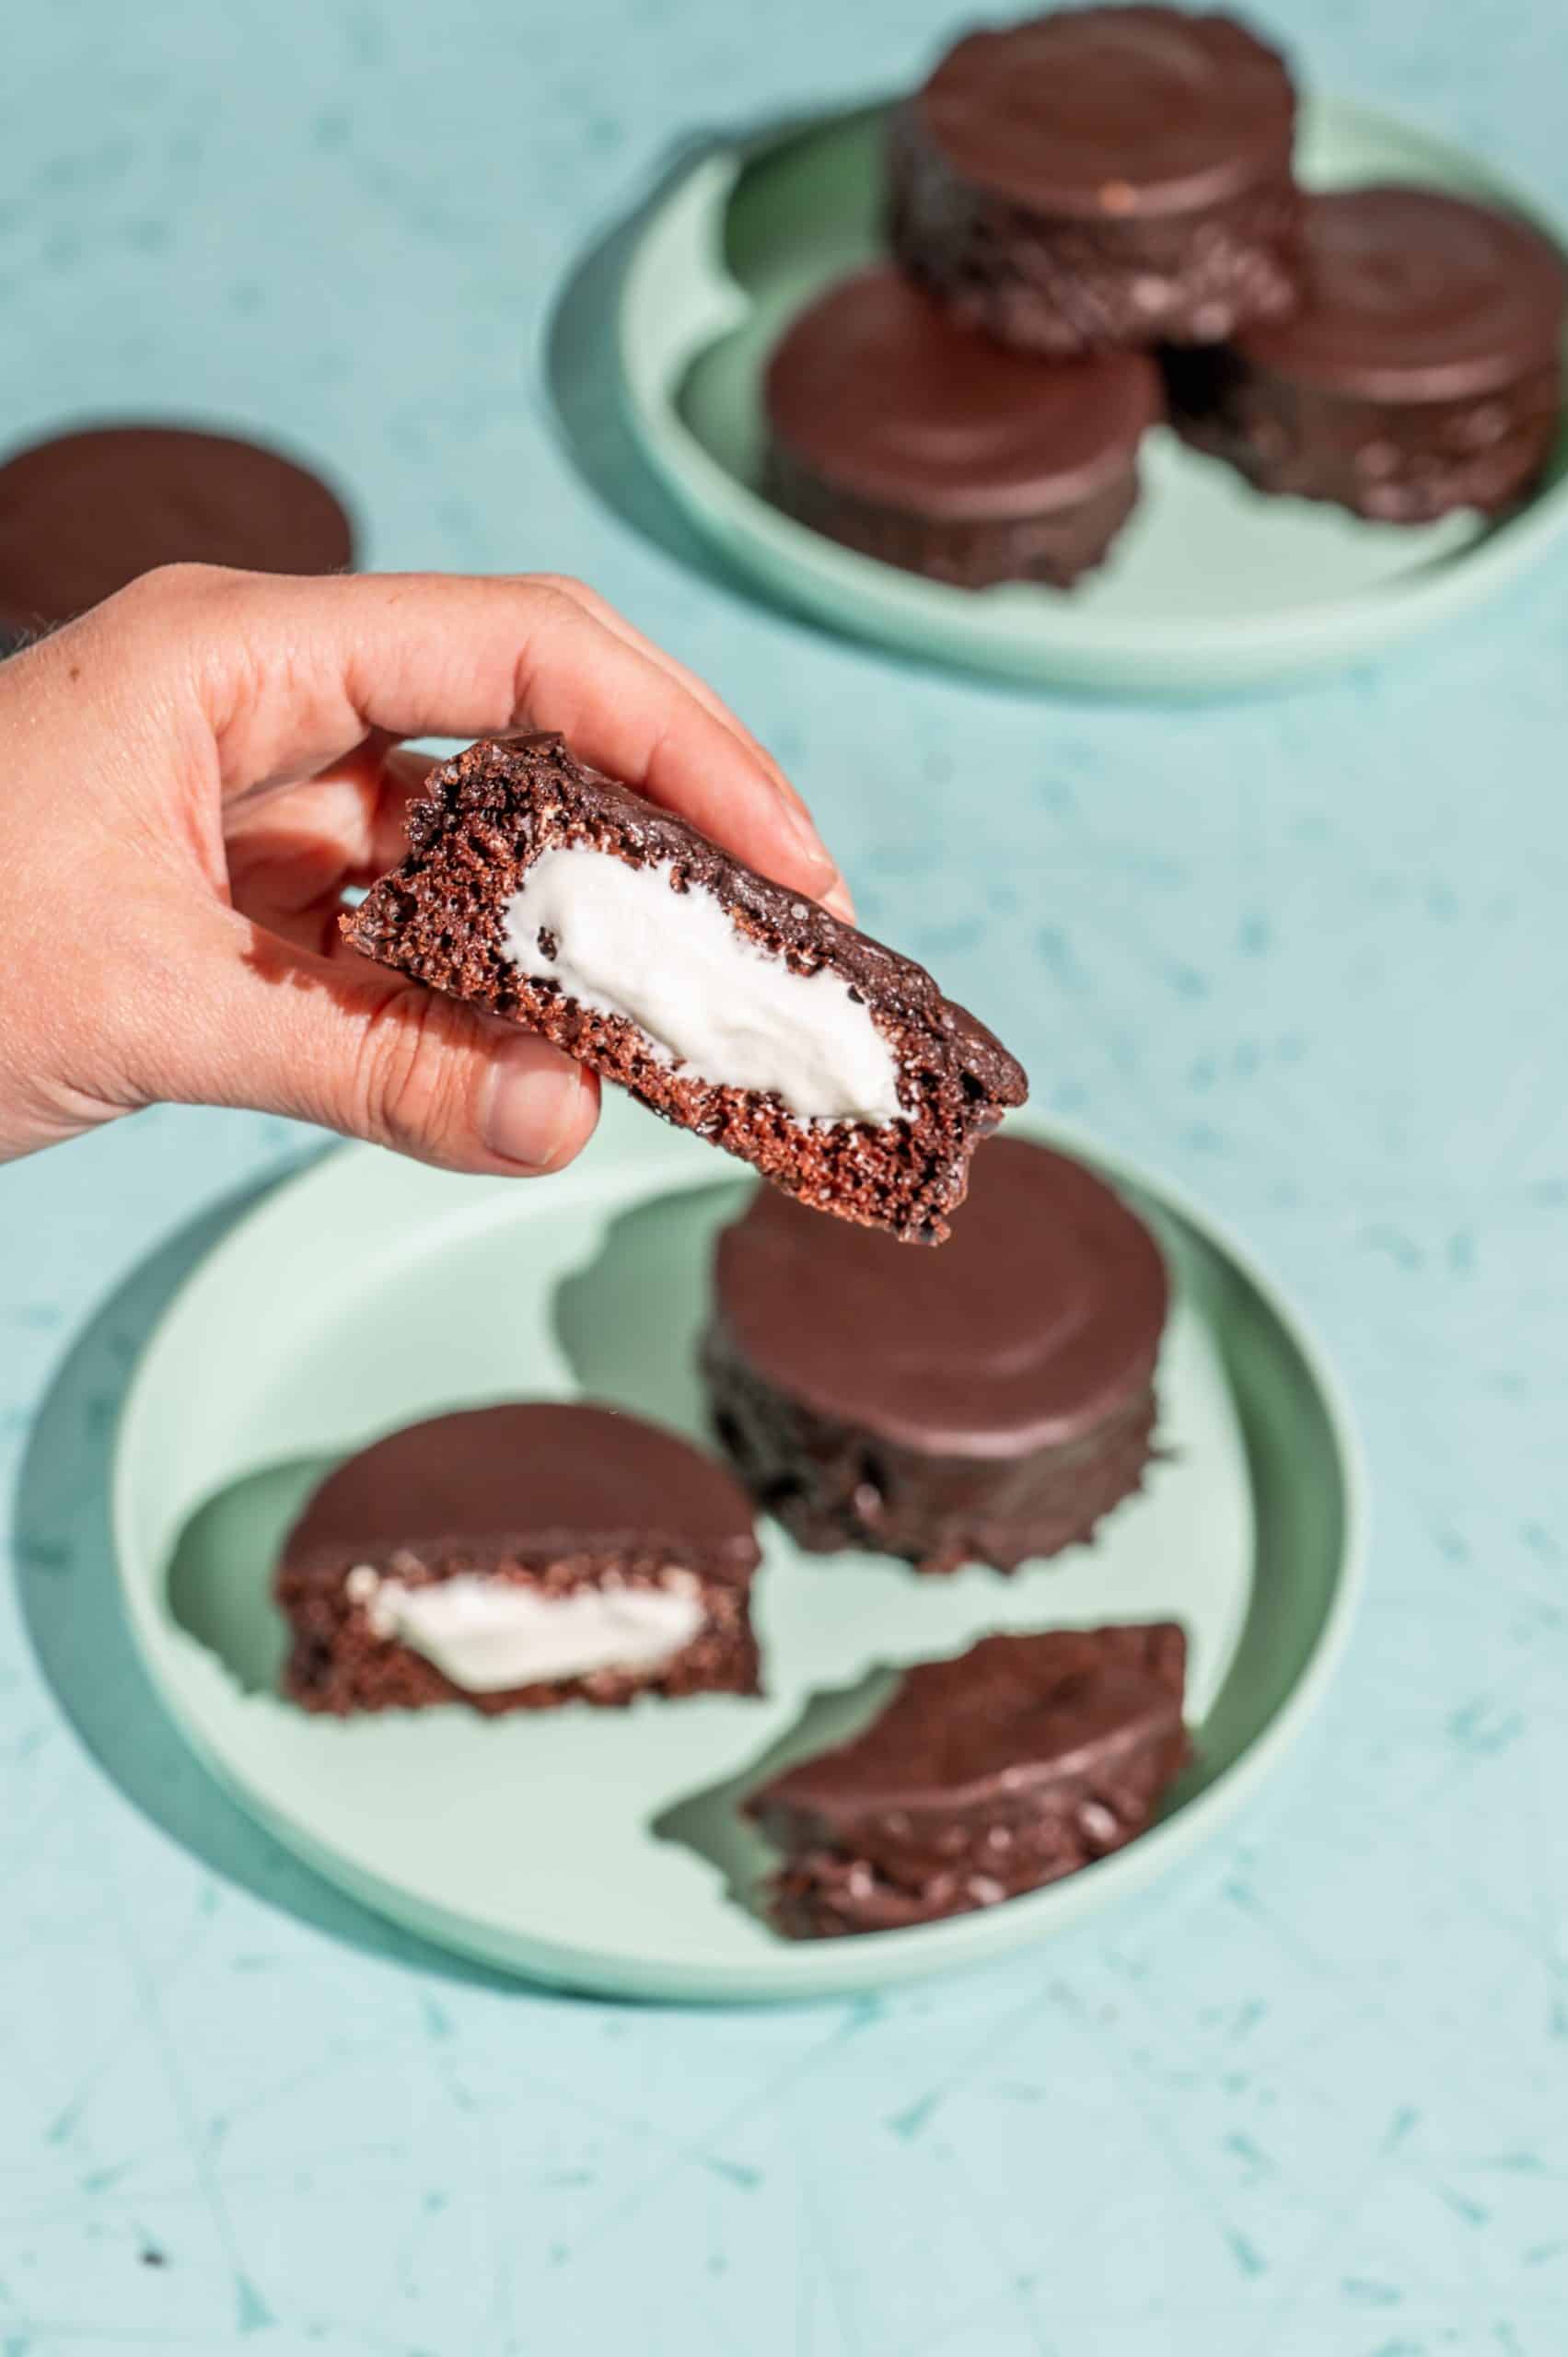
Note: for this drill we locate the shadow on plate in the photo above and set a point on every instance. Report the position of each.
(583, 372)
(220, 1577)
(629, 1321)
(710, 1821)
(71, 1601)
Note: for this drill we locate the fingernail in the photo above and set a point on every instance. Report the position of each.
(797, 818)
(532, 1112)
(809, 843)
(836, 899)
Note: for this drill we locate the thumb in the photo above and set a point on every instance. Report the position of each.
(249, 1021)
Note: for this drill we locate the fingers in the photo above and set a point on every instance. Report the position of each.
(293, 852)
(242, 1019)
(837, 896)
(291, 676)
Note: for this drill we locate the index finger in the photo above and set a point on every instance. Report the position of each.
(291, 674)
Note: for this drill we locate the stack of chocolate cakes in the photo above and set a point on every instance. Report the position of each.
(1094, 220)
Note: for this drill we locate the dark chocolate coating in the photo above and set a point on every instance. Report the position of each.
(550, 1496)
(1039, 1320)
(1112, 111)
(525, 1480)
(1413, 296)
(1098, 178)
(82, 514)
(988, 1405)
(1012, 1765)
(873, 392)
(1423, 373)
(440, 916)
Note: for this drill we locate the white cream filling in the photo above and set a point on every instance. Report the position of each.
(709, 1000)
(487, 1634)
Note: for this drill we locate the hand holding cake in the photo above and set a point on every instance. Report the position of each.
(201, 765)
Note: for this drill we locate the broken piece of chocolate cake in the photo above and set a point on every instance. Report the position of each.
(515, 1558)
(983, 1777)
(541, 891)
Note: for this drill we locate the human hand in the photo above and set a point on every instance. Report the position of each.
(197, 770)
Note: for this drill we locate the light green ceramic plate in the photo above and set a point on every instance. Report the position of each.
(601, 1848)
(1211, 586)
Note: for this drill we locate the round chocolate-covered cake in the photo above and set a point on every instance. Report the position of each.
(986, 1402)
(1101, 176)
(1422, 374)
(906, 438)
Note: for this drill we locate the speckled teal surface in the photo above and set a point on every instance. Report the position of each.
(1310, 2099)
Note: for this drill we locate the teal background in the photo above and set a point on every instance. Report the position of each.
(1306, 955)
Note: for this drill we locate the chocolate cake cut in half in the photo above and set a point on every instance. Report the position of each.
(543, 892)
(519, 1557)
(983, 1777)
(987, 1403)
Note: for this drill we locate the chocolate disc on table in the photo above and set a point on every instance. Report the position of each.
(83, 514)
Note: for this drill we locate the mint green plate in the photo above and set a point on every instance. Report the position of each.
(601, 1848)
(1211, 586)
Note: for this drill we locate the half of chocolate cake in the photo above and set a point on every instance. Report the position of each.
(985, 1776)
(515, 1558)
(541, 891)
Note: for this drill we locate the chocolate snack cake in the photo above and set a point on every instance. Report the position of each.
(906, 438)
(1019, 1763)
(1423, 373)
(1101, 176)
(83, 513)
(515, 1558)
(543, 892)
(986, 1403)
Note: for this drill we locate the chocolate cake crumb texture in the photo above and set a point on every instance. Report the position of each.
(441, 917)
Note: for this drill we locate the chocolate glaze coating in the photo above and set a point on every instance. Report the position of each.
(523, 1480)
(550, 1496)
(440, 916)
(990, 1404)
(873, 392)
(1039, 1320)
(1423, 375)
(83, 513)
(1112, 111)
(939, 451)
(1012, 1765)
(1413, 295)
(1100, 176)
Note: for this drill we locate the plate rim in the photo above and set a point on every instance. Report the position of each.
(805, 1971)
(1073, 647)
